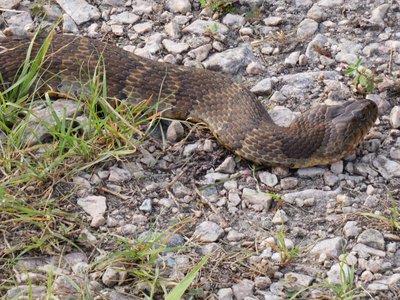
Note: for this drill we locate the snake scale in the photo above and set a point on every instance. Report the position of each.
(321, 135)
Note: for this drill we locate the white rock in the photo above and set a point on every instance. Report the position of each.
(280, 217)
(143, 27)
(208, 231)
(378, 14)
(394, 117)
(79, 10)
(268, 178)
(233, 20)
(243, 289)
(372, 238)
(334, 274)
(124, 18)
(254, 197)
(95, 206)
(386, 167)
(330, 248)
(179, 6)
(174, 47)
(263, 87)
(307, 28)
(114, 275)
(227, 166)
(231, 60)
(351, 229)
(201, 26)
(273, 21)
(9, 4)
(173, 30)
(292, 59)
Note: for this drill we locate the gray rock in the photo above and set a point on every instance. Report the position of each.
(153, 43)
(289, 183)
(297, 280)
(114, 275)
(215, 176)
(208, 232)
(200, 53)
(307, 28)
(9, 4)
(79, 10)
(225, 294)
(180, 191)
(175, 132)
(330, 3)
(234, 198)
(262, 282)
(365, 251)
(334, 274)
(233, 20)
(394, 153)
(41, 121)
(394, 117)
(312, 193)
(95, 206)
(310, 172)
(174, 47)
(227, 166)
(378, 14)
(280, 217)
(318, 41)
(386, 167)
(119, 175)
(146, 205)
(179, 6)
(234, 236)
(141, 7)
(372, 238)
(118, 30)
(255, 68)
(351, 229)
(191, 148)
(292, 59)
(364, 169)
(268, 178)
(337, 167)
(173, 29)
(282, 116)
(243, 289)
(263, 87)
(124, 18)
(230, 61)
(330, 248)
(254, 197)
(273, 21)
(143, 27)
(69, 24)
(317, 13)
(330, 179)
(29, 291)
(175, 240)
(201, 26)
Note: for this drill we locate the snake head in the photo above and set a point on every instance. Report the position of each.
(354, 122)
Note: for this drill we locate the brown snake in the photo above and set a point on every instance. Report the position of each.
(321, 135)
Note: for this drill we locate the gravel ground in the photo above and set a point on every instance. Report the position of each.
(292, 54)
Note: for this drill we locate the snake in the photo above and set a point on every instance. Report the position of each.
(321, 135)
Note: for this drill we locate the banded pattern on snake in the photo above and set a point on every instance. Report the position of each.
(322, 135)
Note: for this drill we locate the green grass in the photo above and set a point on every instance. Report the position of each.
(36, 221)
(364, 80)
(287, 255)
(346, 289)
(391, 221)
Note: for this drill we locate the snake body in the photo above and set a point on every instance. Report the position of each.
(238, 120)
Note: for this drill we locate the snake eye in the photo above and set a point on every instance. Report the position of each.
(361, 116)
